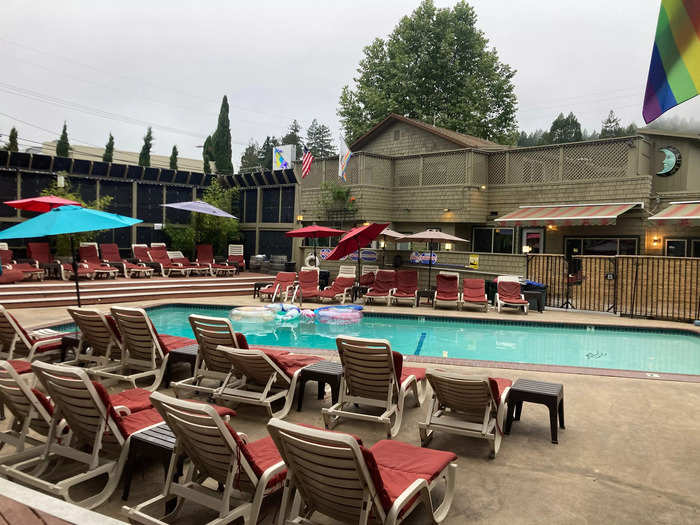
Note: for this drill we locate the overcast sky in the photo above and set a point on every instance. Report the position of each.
(119, 66)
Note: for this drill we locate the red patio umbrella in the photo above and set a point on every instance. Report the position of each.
(356, 239)
(315, 232)
(41, 204)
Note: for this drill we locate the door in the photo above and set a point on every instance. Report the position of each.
(533, 240)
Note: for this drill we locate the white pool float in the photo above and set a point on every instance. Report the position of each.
(339, 315)
(252, 314)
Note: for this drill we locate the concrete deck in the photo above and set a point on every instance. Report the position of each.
(629, 453)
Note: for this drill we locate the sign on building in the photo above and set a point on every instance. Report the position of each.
(283, 157)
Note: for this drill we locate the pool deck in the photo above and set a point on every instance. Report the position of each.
(629, 453)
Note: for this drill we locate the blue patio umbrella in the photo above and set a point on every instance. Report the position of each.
(67, 220)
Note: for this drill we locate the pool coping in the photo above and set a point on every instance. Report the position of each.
(476, 363)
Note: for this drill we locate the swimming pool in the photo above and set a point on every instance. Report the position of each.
(665, 351)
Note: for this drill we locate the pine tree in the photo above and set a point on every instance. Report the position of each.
(206, 154)
(173, 158)
(611, 127)
(63, 146)
(293, 137)
(266, 151)
(108, 155)
(12, 142)
(221, 141)
(565, 129)
(249, 159)
(319, 140)
(145, 155)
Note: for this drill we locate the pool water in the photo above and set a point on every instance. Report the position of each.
(642, 350)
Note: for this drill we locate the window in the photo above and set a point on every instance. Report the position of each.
(251, 206)
(287, 204)
(492, 240)
(270, 205)
(676, 247)
(695, 252)
(600, 246)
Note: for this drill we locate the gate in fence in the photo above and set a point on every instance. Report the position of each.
(633, 285)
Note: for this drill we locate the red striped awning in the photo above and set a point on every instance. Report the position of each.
(566, 215)
(685, 213)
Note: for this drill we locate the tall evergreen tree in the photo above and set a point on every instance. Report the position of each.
(266, 151)
(173, 158)
(250, 159)
(207, 154)
(565, 129)
(63, 146)
(319, 140)
(221, 141)
(293, 137)
(12, 142)
(145, 155)
(108, 155)
(611, 126)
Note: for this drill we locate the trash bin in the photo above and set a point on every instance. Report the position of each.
(533, 286)
(323, 277)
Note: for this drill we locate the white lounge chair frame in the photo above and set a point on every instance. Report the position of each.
(369, 379)
(347, 270)
(212, 364)
(464, 406)
(501, 303)
(439, 302)
(328, 474)
(15, 345)
(27, 413)
(97, 335)
(262, 382)
(76, 400)
(141, 350)
(203, 437)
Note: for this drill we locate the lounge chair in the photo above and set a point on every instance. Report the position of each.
(101, 435)
(466, 406)
(508, 294)
(18, 343)
(177, 257)
(280, 288)
(406, 290)
(90, 257)
(341, 288)
(29, 270)
(144, 351)
(40, 254)
(347, 270)
(247, 471)
(333, 474)
(474, 292)
(205, 257)
(98, 334)
(235, 256)
(110, 254)
(212, 368)
(374, 376)
(265, 379)
(10, 276)
(166, 266)
(384, 285)
(308, 285)
(447, 291)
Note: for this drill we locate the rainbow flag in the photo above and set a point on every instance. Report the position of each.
(674, 73)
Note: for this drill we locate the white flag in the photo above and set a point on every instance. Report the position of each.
(343, 158)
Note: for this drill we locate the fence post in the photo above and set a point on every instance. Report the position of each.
(617, 280)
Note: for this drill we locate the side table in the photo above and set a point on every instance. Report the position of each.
(322, 372)
(184, 354)
(428, 294)
(157, 441)
(69, 341)
(549, 394)
(257, 286)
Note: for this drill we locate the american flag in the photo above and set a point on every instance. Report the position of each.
(306, 161)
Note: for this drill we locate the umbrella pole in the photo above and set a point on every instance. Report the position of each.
(359, 256)
(75, 269)
(430, 266)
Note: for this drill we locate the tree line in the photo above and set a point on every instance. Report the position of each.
(568, 129)
(319, 140)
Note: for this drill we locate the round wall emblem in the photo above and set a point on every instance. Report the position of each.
(672, 161)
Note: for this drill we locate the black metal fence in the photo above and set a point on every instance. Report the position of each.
(631, 285)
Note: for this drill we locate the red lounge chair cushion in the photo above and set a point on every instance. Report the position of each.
(45, 401)
(447, 287)
(406, 283)
(113, 325)
(260, 455)
(398, 363)
(513, 300)
(11, 276)
(21, 367)
(498, 385)
(138, 421)
(135, 399)
(290, 363)
(367, 279)
(45, 347)
(419, 373)
(384, 281)
(171, 342)
(447, 296)
(338, 286)
(376, 292)
(474, 290)
(394, 465)
(509, 292)
(405, 293)
(39, 251)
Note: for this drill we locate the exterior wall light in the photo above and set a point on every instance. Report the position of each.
(365, 223)
(448, 246)
(655, 241)
(445, 210)
(482, 187)
(300, 218)
(527, 249)
(552, 227)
